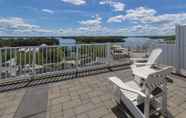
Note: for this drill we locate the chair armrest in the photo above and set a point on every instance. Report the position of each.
(135, 65)
(139, 59)
(121, 85)
(133, 91)
(140, 64)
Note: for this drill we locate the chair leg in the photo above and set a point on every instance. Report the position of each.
(116, 93)
(147, 106)
(164, 101)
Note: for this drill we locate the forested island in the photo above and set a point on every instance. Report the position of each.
(99, 39)
(27, 41)
(37, 41)
(167, 39)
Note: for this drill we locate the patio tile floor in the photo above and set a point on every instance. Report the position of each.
(84, 97)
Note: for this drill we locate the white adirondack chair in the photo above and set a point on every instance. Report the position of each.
(132, 94)
(151, 60)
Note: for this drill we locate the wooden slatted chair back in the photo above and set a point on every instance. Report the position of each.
(154, 55)
(157, 79)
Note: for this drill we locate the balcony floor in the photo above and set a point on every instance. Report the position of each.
(85, 97)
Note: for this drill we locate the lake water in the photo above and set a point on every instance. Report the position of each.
(130, 42)
(63, 41)
(139, 42)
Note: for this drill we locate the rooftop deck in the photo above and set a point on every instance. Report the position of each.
(84, 97)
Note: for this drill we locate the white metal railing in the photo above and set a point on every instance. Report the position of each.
(175, 54)
(168, 56)
(27, 62)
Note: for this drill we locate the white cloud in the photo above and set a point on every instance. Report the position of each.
(83, 31)
(143, 30)
(15, 23)
(141, 14)
(149, 29)
(118, 18)
(18, 26)
(118, 6)
(89, 27)
(147, 21)
(92, 24)
(75, 2)
(48, 11)
(150, 16)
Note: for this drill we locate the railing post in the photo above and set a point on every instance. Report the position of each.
(77, 59)
(0, 63)
(34, 62)
(178, 46)
(108, 54)
(77, 55)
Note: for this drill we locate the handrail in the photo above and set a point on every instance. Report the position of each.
(34, 60)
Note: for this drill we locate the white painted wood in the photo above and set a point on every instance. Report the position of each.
(177, 48)
(127, 97)
(154, 55)
(174, 54)
(184, 64)
(130, 91)
(134, 110)
(127, 86)
(143, 72)
(147, 104)
(151, 60)
(180, 48)
(0, 63)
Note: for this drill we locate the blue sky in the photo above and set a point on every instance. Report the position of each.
(91, 17)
